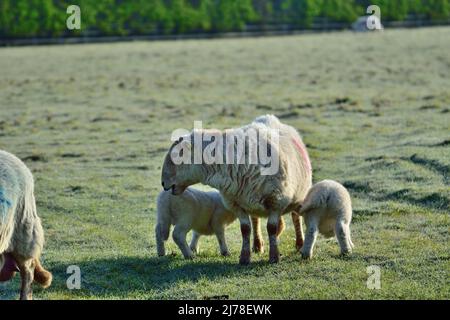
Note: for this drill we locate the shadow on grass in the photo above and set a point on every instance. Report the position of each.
(105, 277)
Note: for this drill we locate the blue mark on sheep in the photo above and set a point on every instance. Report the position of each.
(5, 203)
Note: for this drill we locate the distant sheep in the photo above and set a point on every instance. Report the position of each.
(202, 212)
(21, 233)
(245, 190)
(362, 24)
(327, 209)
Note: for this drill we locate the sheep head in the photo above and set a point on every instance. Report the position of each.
(178, 171)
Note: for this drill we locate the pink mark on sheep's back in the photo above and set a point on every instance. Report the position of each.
(304, 154)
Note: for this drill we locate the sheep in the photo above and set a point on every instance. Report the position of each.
(195, 210)
(246, 188)
(327, 209)
(21, 233)
(367, 24)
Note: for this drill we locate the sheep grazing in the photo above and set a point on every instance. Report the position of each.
(202, 212)
(261, 189)
(327, 209)
(21, 233)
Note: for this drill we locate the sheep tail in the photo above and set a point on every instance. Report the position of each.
(308, 205)
(42, 276)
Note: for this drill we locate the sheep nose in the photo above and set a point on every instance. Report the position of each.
(162, 183)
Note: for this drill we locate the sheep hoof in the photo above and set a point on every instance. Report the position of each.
(306, 256)
(298, 245)
(245, 258)
(189, 256)
(258, 249)
(225, 253)
(195, 250)
(274, 254)
(274, 259)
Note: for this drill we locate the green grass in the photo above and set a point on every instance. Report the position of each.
(93, 123)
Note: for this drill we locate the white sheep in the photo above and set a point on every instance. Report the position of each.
(202, 212)
(244, 189)
(327, 209)
(21, 233)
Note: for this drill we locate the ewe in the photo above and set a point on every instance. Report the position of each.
(327, 209)
(247, 188)
(21, 233)
(195, 210)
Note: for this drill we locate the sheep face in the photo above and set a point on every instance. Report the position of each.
(177, 177)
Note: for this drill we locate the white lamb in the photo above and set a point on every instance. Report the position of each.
(244, 189)
(327, 209)
(202, 212)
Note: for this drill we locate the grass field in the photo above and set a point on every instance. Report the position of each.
(93, 123)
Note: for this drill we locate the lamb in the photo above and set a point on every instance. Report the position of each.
(327, 209)
(21, 233)
(245, 188)
(195, 210)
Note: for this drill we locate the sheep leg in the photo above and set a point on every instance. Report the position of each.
(310, 239)
(194, 242)
(296, 220)
(26, 267)
(160, 241)
(343, 236)
(281, 227)
(258, 242)
(179, 236)
(272, 228)
(349, 237)
(220, 234)
(245, 231)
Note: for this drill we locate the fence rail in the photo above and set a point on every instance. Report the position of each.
(319, 25)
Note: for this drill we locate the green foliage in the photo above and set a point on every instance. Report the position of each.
(415, 6)
(232, 14)
(338, 10)
(436, 9)
(31, 18)
(393, 10)
(302, 12)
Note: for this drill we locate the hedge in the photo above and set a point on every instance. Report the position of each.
(47, 18)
